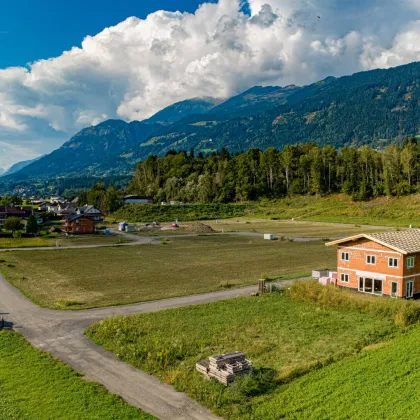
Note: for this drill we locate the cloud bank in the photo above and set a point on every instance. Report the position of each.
(139, 66)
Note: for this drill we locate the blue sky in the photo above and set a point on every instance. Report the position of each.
(32, 30)
(77, 63)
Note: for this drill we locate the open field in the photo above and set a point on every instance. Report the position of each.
(62, 241)
(401, 211)
(300, 229)
(74, 278)
(33, 385)
(284, 338)
(380, 383)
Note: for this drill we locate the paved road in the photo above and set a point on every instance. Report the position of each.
(61, 334)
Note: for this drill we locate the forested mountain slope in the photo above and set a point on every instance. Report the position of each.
(375, 107)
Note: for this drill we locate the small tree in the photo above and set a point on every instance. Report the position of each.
(32, 225)
(13, 223)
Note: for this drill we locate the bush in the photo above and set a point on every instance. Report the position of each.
(402, 312)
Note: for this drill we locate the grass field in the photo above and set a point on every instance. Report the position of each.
(380, 383)
(62, 240)
(33, 385)
(284, 339)
(290, 229)
(401, 211)
(77, 279)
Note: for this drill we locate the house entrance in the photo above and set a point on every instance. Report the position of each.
(409, 289)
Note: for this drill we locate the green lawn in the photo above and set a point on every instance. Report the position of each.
(380, 383)
(26, 242)
(33, 385)
(284, 339)
(80, 278)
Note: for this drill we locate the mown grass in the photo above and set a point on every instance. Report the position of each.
(77, 278)
(33, 385)
(380, 383)
(285, 339)
(26, 242)
(287, 228)
(400, 212)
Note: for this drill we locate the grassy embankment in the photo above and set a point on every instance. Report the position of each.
(285, 336)
(73, 279)
(402, 211)
(33, 385)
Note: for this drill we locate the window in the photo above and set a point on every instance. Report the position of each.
(345, 256)
(344, 278)
(394, 289)
(368, 285)
(410, 262)
(371, 259)
(377, 287)
(393, 262)
(361, 284)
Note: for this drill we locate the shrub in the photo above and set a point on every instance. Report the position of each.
(402, 312)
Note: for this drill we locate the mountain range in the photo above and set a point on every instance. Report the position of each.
(375, 107)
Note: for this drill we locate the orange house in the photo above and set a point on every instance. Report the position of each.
(79, 225)
(385, 264)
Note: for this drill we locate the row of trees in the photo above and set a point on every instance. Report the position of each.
(222, 177)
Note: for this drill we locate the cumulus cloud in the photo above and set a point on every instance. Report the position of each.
(139, 66)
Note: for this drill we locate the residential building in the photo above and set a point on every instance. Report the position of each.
(9, 211)
(79, 224)
(386, 264)
(92, 212)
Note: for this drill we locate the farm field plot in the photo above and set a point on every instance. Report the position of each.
(26, 242)
(379, 383)
(33, 385)
(284, 339)
(75, 279)
(298, 229)
(92, 240)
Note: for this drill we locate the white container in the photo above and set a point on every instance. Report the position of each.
(269, 237)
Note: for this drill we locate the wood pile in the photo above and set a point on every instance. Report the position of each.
(225, 367)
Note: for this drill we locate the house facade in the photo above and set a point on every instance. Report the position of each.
(79, 225)
(383, 264)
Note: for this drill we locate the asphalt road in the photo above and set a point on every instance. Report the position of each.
(61, 333)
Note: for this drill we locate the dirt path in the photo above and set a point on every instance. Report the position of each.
(61, 333)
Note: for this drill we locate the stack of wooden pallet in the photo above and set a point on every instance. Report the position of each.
(225, 367)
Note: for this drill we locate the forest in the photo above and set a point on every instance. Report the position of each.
(305, 169)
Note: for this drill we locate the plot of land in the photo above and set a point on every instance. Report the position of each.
(61, 240)
(283, 338)
(297, 229)
(380, 383)
(83, 278)
(35, 386)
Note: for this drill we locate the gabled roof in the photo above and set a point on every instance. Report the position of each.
(77, 216)
(404, 241)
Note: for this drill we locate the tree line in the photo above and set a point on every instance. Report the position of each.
(303, 169)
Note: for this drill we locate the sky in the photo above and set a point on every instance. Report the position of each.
(68, 65)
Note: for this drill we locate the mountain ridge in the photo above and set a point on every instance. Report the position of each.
(373, 107)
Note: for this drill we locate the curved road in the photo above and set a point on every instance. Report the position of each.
(61, 333)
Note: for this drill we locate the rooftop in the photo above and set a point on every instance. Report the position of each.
(404, 241)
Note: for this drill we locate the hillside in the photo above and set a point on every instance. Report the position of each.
(18, 166)
(374, 107)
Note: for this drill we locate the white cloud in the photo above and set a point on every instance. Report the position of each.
(139, 66)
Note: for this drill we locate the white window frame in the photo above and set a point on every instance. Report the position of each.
(345, 253)
(413, 262)
(393, 259)
(371, 256)
(344, 276)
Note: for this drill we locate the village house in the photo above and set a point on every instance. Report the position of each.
(385, 264)
(79, 224)
(9, 211)
(91, 212)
